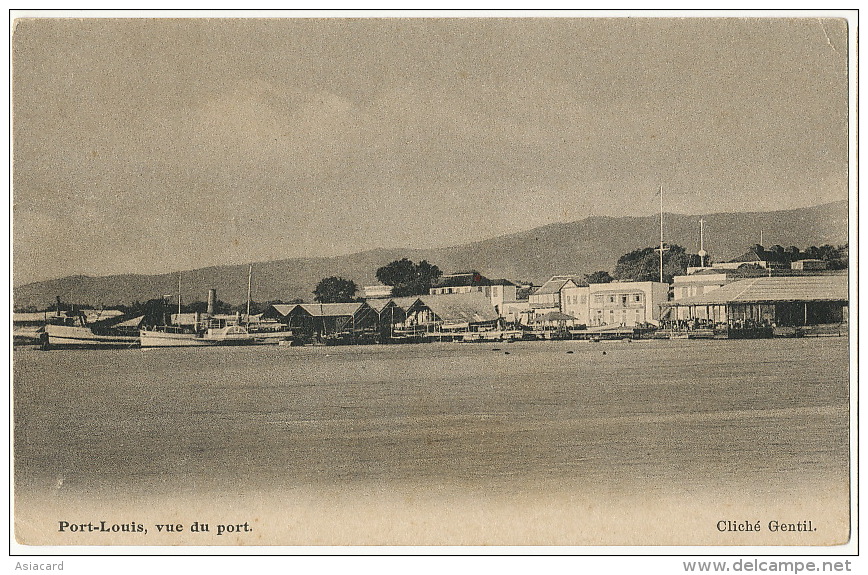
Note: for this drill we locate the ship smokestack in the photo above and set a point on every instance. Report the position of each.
(212, 300)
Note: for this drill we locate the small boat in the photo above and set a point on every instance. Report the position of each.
(75, 332)
(28, 335)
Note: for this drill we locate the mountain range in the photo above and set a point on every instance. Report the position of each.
(580, 247)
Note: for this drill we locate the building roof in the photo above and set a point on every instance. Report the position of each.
(556, 283)
(332, 309)
(554, 316)
(775, 289)
(283, 308)
(379, 304)
(406, 301)
(460, 307)
(757, 253)
(462, 279)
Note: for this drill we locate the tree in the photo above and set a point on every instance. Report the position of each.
(335, 290)
(600, 277)
(644, 264)
(407, 278)
(836, 258)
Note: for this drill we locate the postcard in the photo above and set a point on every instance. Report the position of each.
(550, 282)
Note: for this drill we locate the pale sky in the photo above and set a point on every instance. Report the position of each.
(149, 145)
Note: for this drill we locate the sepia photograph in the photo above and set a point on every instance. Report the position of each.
(556, 283)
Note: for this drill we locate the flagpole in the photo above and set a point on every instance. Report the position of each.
(661, 233)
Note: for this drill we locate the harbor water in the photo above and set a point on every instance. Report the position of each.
(543, 443)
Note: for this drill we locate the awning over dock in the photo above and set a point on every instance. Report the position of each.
(828, 288)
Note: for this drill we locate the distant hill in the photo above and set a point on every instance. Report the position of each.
(579, 247)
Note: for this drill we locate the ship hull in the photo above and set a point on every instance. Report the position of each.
(63, 336)
(164, 339)
(168, 339)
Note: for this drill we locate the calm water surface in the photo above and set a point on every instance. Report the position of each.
(673, 417)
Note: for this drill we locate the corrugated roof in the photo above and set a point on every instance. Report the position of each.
(379, 304)
(460, 307)
(406, 301)
(462, 279)
(403, 303)
(283, 308)
(774, 289)
(555, 284)
(331, 309)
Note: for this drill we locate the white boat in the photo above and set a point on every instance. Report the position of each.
(270, 337)
(84, 336)
(170, 336)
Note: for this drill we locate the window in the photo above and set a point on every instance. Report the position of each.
(598, 299)
(611, 299)
(637, 298)
(583, 299)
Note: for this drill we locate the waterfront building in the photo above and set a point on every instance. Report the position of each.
(498, 291)
(455, 312)
(548, 296)
(810, 265)
(766, 305)
(320, 320)
(391, 314)
(697, 283)
(627, 304)
(574, 302)
(517, 313)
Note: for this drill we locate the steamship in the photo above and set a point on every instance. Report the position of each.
(204, 330)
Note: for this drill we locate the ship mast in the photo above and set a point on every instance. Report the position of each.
(662, 245)
(249, 283)
(179, 296)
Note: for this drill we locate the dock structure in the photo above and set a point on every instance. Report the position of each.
(767, 307)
